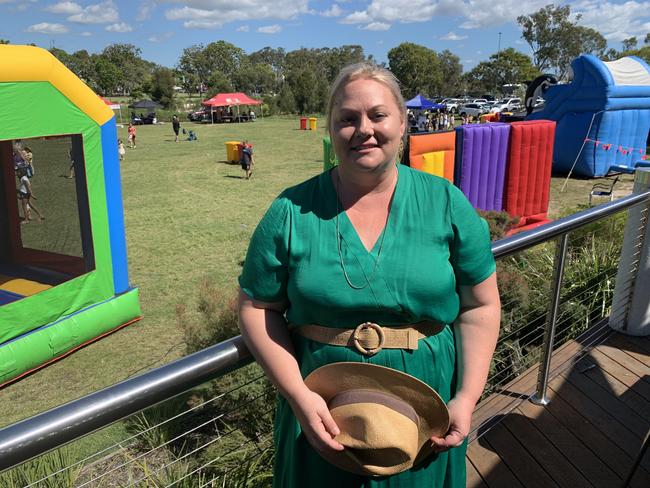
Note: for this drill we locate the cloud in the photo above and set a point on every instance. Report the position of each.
(119, 27)
(160, 37)
(144, 10)
(270, 29)
(334, 11)
(615, 21)
(68, 8)
(243, 28)
(376, 26)
(47, 28)
(475, 13)
(207, 14)
(86, 34)
(452, 36)
(99, 13)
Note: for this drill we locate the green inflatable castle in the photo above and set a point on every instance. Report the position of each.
(63, 266)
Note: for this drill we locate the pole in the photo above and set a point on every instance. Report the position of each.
(540, 397)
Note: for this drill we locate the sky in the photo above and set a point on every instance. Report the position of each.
(471, 29)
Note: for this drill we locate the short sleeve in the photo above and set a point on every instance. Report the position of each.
(471, 251)
(264, 276)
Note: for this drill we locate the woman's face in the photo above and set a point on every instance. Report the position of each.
(367, 126)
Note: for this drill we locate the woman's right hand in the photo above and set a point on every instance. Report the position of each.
(316, 421)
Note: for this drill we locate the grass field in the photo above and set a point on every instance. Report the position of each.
(189, 215)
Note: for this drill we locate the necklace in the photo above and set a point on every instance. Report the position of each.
(339, 245)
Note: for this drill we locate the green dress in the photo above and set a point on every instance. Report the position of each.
(434, 241)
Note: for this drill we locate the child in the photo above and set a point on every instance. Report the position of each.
(247, 159)
(121, 150)
(26, 196)
(131, 131)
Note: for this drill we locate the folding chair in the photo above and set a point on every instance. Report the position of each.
(602, 189)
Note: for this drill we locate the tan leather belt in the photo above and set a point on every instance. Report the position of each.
(369, 338)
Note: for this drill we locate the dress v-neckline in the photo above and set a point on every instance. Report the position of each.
(348, 228)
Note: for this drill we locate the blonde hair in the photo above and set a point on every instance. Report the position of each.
(366, 71)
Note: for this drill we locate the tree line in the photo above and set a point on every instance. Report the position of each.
(298, 81)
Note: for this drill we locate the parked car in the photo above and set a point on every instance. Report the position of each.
(479, 100)
(198, 116)
(452, 104)
(507, 105)
(141, 119)
(473, 109)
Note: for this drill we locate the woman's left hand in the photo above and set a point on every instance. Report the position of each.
(460, 420)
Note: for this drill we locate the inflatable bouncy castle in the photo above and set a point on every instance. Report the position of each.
(63, 264)
(602, 115)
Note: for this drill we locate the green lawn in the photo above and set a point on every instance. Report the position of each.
(189, 215)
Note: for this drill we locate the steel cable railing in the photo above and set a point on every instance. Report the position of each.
(213, 439)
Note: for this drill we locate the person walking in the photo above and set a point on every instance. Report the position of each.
(385, 276)
(176, 125)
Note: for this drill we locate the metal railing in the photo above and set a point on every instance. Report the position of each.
(34, 436)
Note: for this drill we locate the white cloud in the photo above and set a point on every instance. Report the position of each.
(86, 34)
(68, 8)
(243, 28)
(100, 13)
(376, 26)
(452, 36)
(47, 28)
(270, 29)
(334, 11)
(160, 37)
(119, 27)
(615, 21)
(206, 14)
(475, 13)
(145, 9)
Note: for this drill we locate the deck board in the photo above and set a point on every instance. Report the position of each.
(588, 435)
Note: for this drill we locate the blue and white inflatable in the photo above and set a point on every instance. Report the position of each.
(602, 115)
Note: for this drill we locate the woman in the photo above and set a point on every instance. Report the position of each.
(369, 241)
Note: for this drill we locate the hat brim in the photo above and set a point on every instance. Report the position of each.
(334, 378)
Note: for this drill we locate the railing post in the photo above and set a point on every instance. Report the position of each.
(540, 398)
(631, 302)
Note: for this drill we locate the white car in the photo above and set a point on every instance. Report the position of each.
(473, 109)
(452, 104)
(507, 105)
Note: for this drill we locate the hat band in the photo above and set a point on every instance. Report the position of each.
(370, 396)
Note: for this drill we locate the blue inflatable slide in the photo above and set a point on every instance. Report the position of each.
(602, 115)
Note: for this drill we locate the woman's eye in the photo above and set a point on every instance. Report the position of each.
(379, 116)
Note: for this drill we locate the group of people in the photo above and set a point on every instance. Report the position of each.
(369, 297)
(24, 168)
(429, 120)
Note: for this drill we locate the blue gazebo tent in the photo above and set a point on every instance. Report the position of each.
(421, 103)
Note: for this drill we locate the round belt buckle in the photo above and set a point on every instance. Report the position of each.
(356, 338)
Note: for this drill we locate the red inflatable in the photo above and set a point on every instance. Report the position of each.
(528, 174)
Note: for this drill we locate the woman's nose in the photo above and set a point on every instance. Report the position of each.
(365, 126)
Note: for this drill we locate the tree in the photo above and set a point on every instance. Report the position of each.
(132, 69)
(162, 86)
(107, 76)
(417, 68)
(286, 102)
(451, 73)
(645, 41)
(218, 83)
(629, 43)
(223, 57)
(194, 74)
(4, 41)
(556, 40)
(506, 67)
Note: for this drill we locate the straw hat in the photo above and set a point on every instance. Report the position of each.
(386, 417)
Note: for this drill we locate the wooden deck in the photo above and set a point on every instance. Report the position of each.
(588, 435)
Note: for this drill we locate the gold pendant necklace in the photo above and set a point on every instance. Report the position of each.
(339, 239)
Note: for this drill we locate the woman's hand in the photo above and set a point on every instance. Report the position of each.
(460, 421)
(316, 421)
